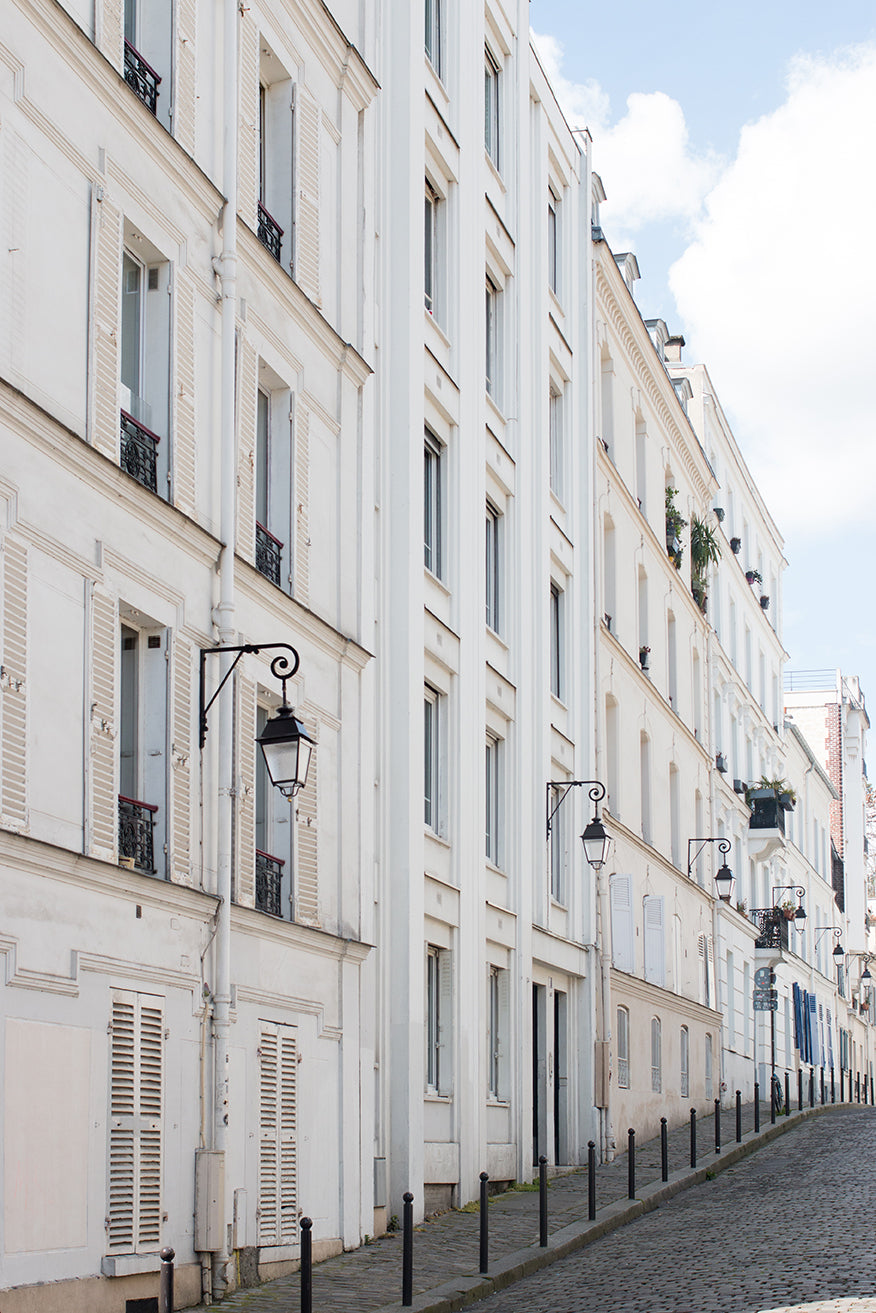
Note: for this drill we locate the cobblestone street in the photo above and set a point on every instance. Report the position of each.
(790, 1224)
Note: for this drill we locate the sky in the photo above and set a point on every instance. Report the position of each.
(736, 144)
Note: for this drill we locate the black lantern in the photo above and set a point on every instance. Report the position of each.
(838, 956)
(800, 918)
(286, 747)
(724, 880)
(596, 841)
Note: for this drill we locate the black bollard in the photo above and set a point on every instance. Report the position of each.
(485, 1227)
(822, 1087)
(739, 1116)
(591, 1181)
(307, 1265)
(857, 1087)
(408, 1251)
(165, 1282)
(664, 1150)
(872, 1100)
(693, 1137)
(811, 1087)
(631, 1163)
(787, 1095)
(800, 1089)
(832, 1087)
(717, 1126)
(773, 1099)
(756, 1106)
(842, 1085)
(542, 1202)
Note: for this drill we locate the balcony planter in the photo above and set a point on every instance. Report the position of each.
(753, 576)
(764, 602)
(700, 596)
(736, 546)
(787, 801)
(721, 763)
(720, 513)
(644, 653)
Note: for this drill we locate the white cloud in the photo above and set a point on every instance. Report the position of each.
(584, 104)
(778, 293)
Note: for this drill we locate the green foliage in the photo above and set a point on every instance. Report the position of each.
(675, 524)
(705, 549)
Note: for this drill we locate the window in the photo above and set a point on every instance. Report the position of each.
(273, 839)
(145, 366)
(645, 784)
(491, 107)
(710, 1093)
(433, 244)
(558, 842)
(433, 730)
(557, 444)
(685, 1062)
(497, 1035)
(142, 749)
(557, 639)
(623, 1048)
(277, 143)
(493, 582)
(493, 790)
(134, 1209)
(623, 947)
(273, 479)
(656, 1056)
(493, 330)
(148, 44)
(433, 505)
(655, 943)
(553, 226)
(434, 11)
(438, 1019)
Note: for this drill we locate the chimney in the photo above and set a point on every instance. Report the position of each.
(673, 349)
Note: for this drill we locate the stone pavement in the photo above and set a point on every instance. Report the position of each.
(446, 1247)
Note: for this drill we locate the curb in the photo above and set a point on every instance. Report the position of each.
(461, 1291)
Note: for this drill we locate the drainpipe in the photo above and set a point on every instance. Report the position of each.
(225, 622)
(602, 887)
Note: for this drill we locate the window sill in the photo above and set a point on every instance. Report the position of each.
(434, 83)
(436, 581)
(429, 833)
(432, 1096)
(128, 1265)
(493, 405)
(436, 327)
(494, 1102)
(491, 165)
(556, 302)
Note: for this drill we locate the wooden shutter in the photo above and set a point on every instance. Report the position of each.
(655, 945)
(301, 454)
(306, 893)
(247, 420)
(13, 689)
(184, 398)
(181, 729)
(277, 1211)
(307, 223)
(503, 1046)
(136, 1096)
(248, 138)
(245, 724)
(103, 808)
(445, 1022)
(106, 289)
(184, 104)
(109, 27)
(623, 954)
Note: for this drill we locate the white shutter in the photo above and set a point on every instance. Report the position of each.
(622, 943)
(504, 1037)
(307, 222)
(278, 1133)
(136, 1098)
(306, 894)
(301, 457)
(109, 28)
(106, 292)
(248, 139)
(181, 752)
(655, 944)
(184, 104)
(445, 1022)
(13, 690)
(247, 419)
(246, 748)
(706, 979)
(104, 808)
(184, 399)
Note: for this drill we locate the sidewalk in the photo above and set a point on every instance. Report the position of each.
(446, 1248)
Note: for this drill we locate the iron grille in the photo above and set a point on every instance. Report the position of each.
(767, 814)
(270, 233)
(141, 77)
(136, 823)
(269, 876)
(138, 454)
(268, 549)
(772, 925)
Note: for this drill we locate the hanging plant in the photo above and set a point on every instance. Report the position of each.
(675, 524)
(705, 550)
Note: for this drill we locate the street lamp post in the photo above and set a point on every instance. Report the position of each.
(595, 838)
(724, 877)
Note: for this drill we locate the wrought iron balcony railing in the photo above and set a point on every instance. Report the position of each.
(268, 549)
(772, 927)
(141, 77)
(136, 824)
(767, 814)
(270, 233)
(138, 452)
(269, 877)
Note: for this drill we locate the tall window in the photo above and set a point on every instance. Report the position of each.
(557, 444)
(656, 1056)
(492, 344)
(434, 12)
(136, 1062)
(492, 542)
(432, 730)
(273, 478)
(491, 106)
(433, 505)
(710, 1093)
(685, 1062)
(645, 784)
(558, 842)
(142, 749)
(432, 250)
(493, 790)
(623, 1048)
(148, 32)
(497, 1036)
(438, 1020)
(277, 162)
(145, 371)
(273, 839)
(557, 638)
(553, 251)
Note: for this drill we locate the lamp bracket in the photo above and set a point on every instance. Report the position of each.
(281, 668)
(723, 847)
(595, 791)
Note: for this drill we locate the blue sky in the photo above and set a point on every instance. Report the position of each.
(735, 146)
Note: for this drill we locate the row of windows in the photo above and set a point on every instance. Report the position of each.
(439, 1021)
(624, 1072)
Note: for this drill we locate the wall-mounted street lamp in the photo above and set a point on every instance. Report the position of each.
(595, 839)
(286, 746)
(838, 953)
(724, 878)
(798, 892)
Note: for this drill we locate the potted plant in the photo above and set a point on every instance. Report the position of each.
(764, 601)
(736, 546)
(705, 550)
(675, 523)
(788, 910)
(644, 651)
(753, 576)
(777, 788)
(719, 513)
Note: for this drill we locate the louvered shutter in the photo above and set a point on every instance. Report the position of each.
(102, 734)
(655, 945)
(184, 398)
(246, 749)
(248, 139)
(445, 1022)
(184, 105)
(13, 688)
(301, 453)
(307, 224)
(109, 29)
(136, 1096)
(247, 412)
(106, 327)
(623, 954)
(504, 1037)
(306, 874)
(181, 731)
(278, 1135)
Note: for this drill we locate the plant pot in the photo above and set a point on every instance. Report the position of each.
(764, 602)
(786, 802)
(736, 546)
(749, 576)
